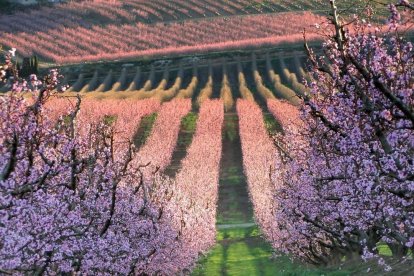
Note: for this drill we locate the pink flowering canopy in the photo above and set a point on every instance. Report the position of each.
(346, 179)
(77, 196)
(66, 204)
(72, 191)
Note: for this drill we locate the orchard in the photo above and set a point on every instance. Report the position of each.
(157, 170)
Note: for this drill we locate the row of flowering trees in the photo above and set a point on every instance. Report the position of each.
(73, 198)
(346, 175)
(73, 202)
(198, 178)
(112, 41)
(85, 13)
(159, 147)
(258, 151)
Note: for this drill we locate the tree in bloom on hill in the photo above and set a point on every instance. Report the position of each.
(346, 174)
(77, 203)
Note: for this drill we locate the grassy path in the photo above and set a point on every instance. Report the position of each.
(234, 206)
(144, 129)
(185, 136)
(240, 250)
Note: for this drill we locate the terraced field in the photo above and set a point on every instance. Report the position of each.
(257, 77)
(90, 31)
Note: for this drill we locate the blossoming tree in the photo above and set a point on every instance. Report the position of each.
(72, 200)
(346, 176)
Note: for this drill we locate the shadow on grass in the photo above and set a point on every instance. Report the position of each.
(242, 251)
(185, 137)
(144, 129)
(234, 206)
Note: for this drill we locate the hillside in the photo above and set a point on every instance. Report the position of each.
(90, 31)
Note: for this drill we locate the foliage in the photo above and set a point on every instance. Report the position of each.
(189, 121)
(4, 5)
(29, 66)
(147, 123)
(271, 125)
(225, 91)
